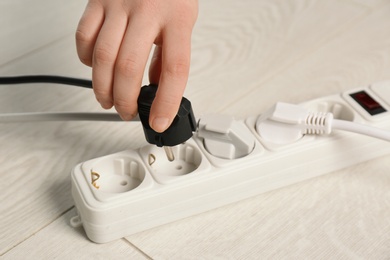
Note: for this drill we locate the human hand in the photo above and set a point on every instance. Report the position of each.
(115, 37)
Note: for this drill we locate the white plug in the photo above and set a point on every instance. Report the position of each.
(287, 123)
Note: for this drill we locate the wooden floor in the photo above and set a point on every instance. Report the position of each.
(246, 56)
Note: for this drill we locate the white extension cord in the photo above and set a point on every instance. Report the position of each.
(228, 160)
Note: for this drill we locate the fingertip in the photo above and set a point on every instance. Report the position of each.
(127, 117)
(164, 110)
(126, 110)
(106, 105)
(160, 124)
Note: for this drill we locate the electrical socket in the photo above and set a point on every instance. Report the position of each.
(225, 161)
(188, 161)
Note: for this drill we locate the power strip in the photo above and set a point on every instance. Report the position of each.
(225, 161)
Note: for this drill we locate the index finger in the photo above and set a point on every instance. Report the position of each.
(176, 56)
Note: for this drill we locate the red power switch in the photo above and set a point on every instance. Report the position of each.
(368, 103)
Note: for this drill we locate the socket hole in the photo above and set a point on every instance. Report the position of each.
(118, 173)
(187, 159)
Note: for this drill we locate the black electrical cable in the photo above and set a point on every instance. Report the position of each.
(47, 116)
(181, 129)
(46, 79)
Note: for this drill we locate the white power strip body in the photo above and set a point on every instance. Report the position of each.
(131, 191)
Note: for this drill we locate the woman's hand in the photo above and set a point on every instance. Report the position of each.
(115, 37)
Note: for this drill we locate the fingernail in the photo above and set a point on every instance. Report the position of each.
(160, 124)
(106, 105)
(126, 117)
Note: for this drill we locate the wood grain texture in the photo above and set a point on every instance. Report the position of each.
(272, 36)
(357, 57)
(246, 56)
(31, 25)
(59, 241)
(342, 215)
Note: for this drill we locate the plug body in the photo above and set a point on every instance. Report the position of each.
(178, 132)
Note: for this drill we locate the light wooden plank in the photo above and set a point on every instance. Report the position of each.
(238, 47)
(355, 58)
(60, 241)
(371, 4)
(30, 25)
(343, 215)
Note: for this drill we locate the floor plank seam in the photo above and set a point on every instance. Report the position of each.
(137, 249)
(34, 233)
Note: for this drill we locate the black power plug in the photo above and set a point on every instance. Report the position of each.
(181, 129)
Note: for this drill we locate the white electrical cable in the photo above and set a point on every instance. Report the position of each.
(286, 123)
(60, 116)
(361, 129)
